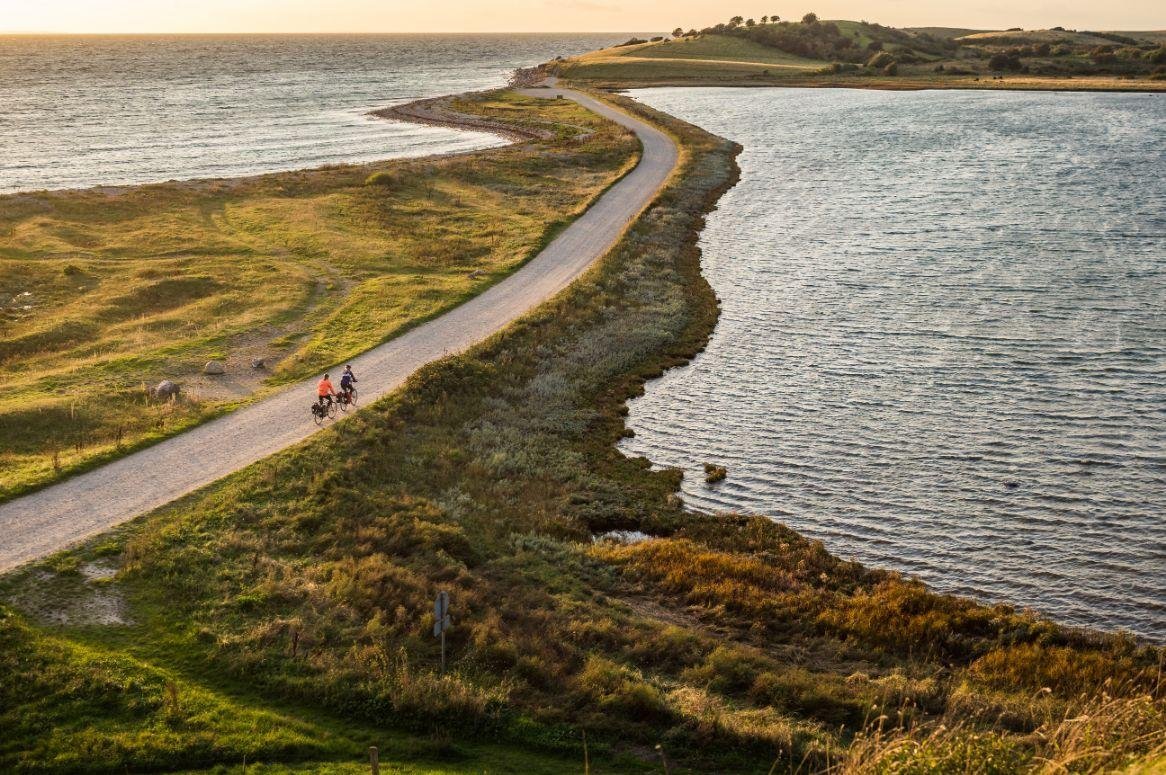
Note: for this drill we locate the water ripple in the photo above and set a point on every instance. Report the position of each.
(81, 111)
(942, 345)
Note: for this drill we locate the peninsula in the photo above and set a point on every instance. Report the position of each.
(276, 613)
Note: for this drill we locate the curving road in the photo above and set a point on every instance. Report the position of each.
(64, 514)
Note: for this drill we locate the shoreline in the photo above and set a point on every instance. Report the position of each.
(232, 181)
(436, 111)
(621, 88)
(271, 383)
(953, 579)
(872, 84)
(262, 426)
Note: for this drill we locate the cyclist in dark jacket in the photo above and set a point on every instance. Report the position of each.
(347, 380)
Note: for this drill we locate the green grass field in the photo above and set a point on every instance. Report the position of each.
(708, 59)
(285, 613)
(716, 47)
(106, 292)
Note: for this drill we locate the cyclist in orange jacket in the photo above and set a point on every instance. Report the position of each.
(325, 391)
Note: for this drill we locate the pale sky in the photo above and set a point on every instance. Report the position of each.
(108, 16)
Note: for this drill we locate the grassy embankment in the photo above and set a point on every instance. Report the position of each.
(284, 614)
(106, 292)
(862, 55)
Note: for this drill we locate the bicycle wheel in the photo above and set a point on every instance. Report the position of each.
(318, 416)
(352, 397)
(342, 403)
(332, 410)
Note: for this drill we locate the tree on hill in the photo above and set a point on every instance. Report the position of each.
(736, 21)
(810, 18)
(765, 20)
(678, 32)
(750, 23)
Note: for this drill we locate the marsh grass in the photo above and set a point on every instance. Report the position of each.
(1113, 727)
(103, 293)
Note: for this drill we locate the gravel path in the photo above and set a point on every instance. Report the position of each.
(78, 508)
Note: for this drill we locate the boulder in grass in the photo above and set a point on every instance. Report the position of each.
(214, 368)
(165, 390)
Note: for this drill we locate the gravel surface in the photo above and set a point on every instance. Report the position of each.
(52, 519)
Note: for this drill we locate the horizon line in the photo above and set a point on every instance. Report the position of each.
(140, 33)
(326, 32)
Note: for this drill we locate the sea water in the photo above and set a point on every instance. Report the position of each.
(943, 340)
(79, 111)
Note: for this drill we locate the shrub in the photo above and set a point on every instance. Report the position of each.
(822, 697)
(616, 688)
(383, 178)
(891, 69)
(880, 60)
(727, 669)
(810, 18)
(672, 648)
(1004, 61)
(1064, 670)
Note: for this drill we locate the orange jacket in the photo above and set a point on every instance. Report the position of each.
(324, 388)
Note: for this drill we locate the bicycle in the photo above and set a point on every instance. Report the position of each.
(346, 398)
(322, 412)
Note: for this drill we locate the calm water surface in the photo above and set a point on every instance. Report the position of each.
(85, 111)
(943, 339)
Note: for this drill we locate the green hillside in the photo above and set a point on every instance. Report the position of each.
(714, 47)
(817, 52)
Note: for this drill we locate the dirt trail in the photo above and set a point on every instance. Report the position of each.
(46, 521)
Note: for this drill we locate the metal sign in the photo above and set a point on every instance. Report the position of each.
(441, 621)
(440, 613)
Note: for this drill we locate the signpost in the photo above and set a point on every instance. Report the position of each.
(441, 622)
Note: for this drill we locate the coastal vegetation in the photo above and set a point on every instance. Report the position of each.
(283, 616)
(816, 52)
(106, 292)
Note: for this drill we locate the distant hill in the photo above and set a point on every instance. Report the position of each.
(845, 52)
(1081, 39)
